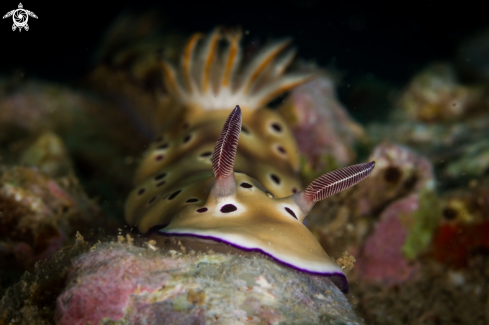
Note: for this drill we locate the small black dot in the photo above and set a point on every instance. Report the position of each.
(392, 174)
(449, 213)
(410, 182)
(294, 190)
(187, 138)
(206, 154)
(291, 212)
(246, 185)
(186, 125)
(152, 200)
(202, 210)
(192, 200)
(281, 149)
(244, 130)
(160, 183)
(163, 146)
(159, 157)
(275, 178)
(228, 208)
(174, 194)
(160, 176)
(277, 127)
(141, 191)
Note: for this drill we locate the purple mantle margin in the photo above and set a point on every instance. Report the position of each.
(339, 279)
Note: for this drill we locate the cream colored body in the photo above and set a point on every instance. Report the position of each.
(267, 217)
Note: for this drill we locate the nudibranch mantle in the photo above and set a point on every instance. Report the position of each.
(259, 223)
(246, 196)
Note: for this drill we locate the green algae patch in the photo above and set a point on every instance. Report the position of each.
(180, 302)
(310, 170)
(425, 220)
(212, 259)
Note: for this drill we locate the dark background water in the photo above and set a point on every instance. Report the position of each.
(386, 41)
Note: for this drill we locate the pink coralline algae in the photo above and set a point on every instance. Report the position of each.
(382, 259)
(105, 294)
(321, 125)
(133, 285)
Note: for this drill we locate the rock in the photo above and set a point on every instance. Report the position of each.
(455, 243)
(342, 221)
(99, 137)
(443, 119)
(472, 161)
(49, 154)
(131, 285)
(464, 230)
(387, 220)
(468, 204)
(435, 95)
(439, 296)
(320, 123)
(404, 228)
(33, 299)
(399, 171)
(39, 215)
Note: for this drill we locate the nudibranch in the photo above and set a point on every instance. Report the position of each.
(246, 196)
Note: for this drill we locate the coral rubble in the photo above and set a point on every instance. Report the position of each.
(435, 95)
(39, 215)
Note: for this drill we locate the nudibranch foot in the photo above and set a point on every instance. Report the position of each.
(204, 243)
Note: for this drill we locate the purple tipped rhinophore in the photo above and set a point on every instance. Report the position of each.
(337, 181)
(227, 145)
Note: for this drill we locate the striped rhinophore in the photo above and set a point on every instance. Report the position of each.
(227, 145)
(338, 180)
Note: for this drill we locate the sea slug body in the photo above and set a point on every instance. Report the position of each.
(244, 188)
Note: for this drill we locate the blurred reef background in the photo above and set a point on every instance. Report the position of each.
(406, 85)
